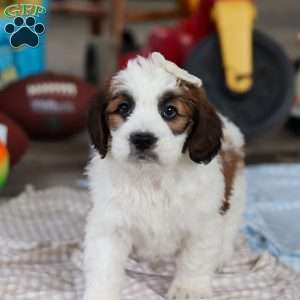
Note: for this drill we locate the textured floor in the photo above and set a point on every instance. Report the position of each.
(51, 163)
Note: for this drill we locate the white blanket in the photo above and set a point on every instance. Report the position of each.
(41, 236)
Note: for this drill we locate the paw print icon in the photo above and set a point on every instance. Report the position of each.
(24, 32)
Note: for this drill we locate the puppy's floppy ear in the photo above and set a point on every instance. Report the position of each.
(204, 140)
(97, 124)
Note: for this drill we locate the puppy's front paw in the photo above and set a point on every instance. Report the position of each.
(188, 289)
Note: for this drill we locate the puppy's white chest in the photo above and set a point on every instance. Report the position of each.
(158, 242)
(156, 226)
(161, 210)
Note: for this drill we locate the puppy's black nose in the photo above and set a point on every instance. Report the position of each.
(142, 140)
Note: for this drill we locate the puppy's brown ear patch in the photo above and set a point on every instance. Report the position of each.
(97, 124)
(204, 140)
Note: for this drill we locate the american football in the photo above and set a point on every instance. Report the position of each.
(48, 105)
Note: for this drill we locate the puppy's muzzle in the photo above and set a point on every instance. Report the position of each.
(142, 141)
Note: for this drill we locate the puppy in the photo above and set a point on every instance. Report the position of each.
(166, 180)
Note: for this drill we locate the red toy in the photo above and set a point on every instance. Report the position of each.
(176, 42)
(48, 105)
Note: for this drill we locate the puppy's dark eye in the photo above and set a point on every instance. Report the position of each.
(169, 112)
(125, 108)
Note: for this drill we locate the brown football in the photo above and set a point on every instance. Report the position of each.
(48, 105)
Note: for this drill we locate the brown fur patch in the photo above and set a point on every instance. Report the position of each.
(97, 123)
(184, 117)
(114, 120)
(232, 161)
(204, 140)
(103, 116)
(113, 103)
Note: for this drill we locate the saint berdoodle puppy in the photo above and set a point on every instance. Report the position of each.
(166, 179)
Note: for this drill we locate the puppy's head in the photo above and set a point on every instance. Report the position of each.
(152, 111)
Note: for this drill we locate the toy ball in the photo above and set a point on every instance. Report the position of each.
(16, 141)
(48, 105)
(4, 164)
(4, 156)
